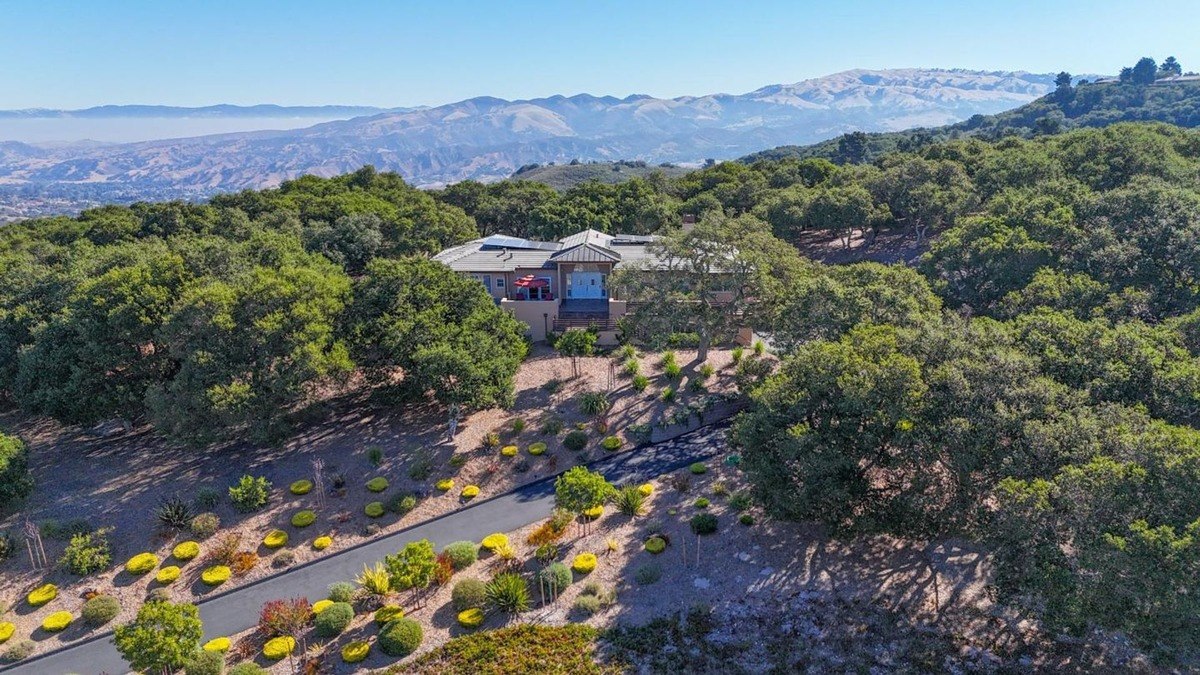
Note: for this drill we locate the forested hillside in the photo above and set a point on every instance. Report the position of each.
(1033, 384)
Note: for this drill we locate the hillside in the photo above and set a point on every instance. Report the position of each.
(489, 138)
(565, 176)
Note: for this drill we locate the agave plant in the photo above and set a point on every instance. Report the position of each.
(174, 512)
(508, 592)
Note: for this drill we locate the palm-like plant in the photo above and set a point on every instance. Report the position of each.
(376, 581)
(508, 592)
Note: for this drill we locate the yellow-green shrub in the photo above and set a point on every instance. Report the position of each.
(321, 605)
(219, 645)
(278, 648)
(494, 541)
(388, 613)
(275, 539)
(377, 484)
(301, 487)
(141, 563)
(646, 489)
(470, 492)
(584, 563)
(6, 631)
(57, 622)
(322, 543)
(470, 618)
(356, 651)
(594, 512)
(215, 575)
(41, 595)
(374, 509)
(304, 518)
(509, 450)
(185, 551)
(656, 545)
(538, 448)
(445, 484)
(167, 574)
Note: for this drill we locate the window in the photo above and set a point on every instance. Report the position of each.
(499, 282)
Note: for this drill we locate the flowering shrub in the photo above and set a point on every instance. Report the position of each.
(218, 645)
(215, 575)
(377, 484)
(508, 450)
(141, 563)
(374, 509)
(275, 539)
(185, 551)
(538, 448)
(655, 545)
(445, 484)
(41, 595)
(57, 622)
(304, 518)
(470, 492)
(646, 489)
(301, 487)
(584, 563)
(278, 648)
(167, 575)
(470, 618)
(356, 651)
(322, 543)
(494, 541)
(611, 443)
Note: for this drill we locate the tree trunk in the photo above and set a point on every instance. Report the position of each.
(702, 345)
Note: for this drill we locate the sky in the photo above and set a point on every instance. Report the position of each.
(80, 53)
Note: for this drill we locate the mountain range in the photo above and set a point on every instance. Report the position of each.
(489, 138)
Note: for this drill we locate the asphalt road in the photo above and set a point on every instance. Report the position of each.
(237, 610)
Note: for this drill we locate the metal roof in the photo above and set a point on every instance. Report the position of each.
(586, 253)
(503, 253)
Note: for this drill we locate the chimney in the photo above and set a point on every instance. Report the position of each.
(689, 221)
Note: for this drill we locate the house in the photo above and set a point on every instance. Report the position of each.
(553, 285)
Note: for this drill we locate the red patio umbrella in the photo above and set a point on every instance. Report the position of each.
(530, 281)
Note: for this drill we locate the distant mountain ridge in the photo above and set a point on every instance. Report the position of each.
(220, 110)
(489, 138)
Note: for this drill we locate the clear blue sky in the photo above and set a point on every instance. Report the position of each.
(67, 54)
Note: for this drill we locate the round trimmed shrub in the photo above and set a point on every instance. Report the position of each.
(377, 484)
(538, 448)
(576, 440)
(356, 651)
(205, 663)
(6, 631)
(494, 541)
(168, 574)
(400, 637)
(704, 523)
(321, 605)
(342, 591)
(322, 543)
(594, 512)
(470, 492)
(301, 487)
(275, 539)
(468, 594)
(698, 468)
(646, 489)
(334, 619)
(554, 577)
(304, 518)
(215, 575)
(509, 451)
(462, 554)
(57, 622)
(219, 645)
(374, 509)
(100, 610)
(388, 613)
(701, 503)
(656, 545)
(185, 551)
(141, 563)
(470, 618)
(279, 648)
(41, 595)
(445, 484)
(611, 443)
(584, 563)
(205, 525)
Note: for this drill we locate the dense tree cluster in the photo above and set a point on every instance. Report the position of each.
(215, 320)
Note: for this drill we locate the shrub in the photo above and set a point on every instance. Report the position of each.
(445, 484)
(632, 367)
(698, 468)
(275, 539)
(356, 651)
(205, 525)
(57, 622)
(279, 647)
(377, 484)
(746, 519)
(667, 395)
(247, 668)
(508, 592)
(739, 501)
(518, 425)
(630, 501)
(509, 451)
(174, 512)
(7, 545)
(538, 448)
(402, 503)
(215, 575)
(546, 553)
(462, 554)
(322, 543)
(301, 487)
(640, 382)
(99, 610)
(594, 403)
(303, 518)
(334, 619)
(587, 604)
(243, 562)
(656, 545)
(388, 613)
(611, 443)
(704, 523)
(53, 529)
(759, 348)
(374, 509)
(185, 551)
(205, 663)
(576, 440)
(554, 577)
(217, 644)
(646, 489)
(494, 541)
(250, 494)
(375, 455)
(400, 637)
(19, 651)
(736, 354)
(6, 631)
(158, 594)
(551, 427)
(707, 370)
(87, 553)
(15, 480)
(673, 371)
(167, 575)
(141, 563)
(470, 618)
(342, 591)
(470, 492)
(701, 503)
(584, 563)
(596, 597)
(647, 574)
(422, 466)
(283, 559)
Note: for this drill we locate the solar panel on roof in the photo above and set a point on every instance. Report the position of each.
(505, 241)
